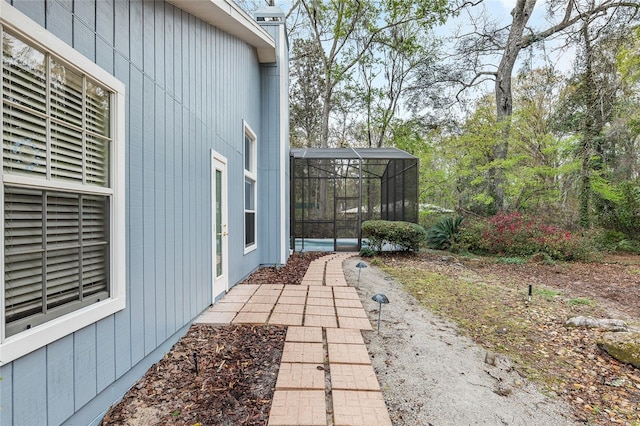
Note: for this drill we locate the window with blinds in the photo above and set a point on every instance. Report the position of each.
(250, 179)
(57, 192)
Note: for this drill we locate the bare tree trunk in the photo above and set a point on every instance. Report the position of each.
(592, 149)
(504, 97)
(324, 143)
(326, 112)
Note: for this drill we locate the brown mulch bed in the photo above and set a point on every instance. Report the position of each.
(236, 374)
(233, 382)
(238, 364)
(291, 273)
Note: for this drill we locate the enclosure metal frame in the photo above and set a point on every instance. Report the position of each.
(396, 172)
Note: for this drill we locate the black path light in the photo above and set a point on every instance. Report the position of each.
(380, 298)
(360, 265)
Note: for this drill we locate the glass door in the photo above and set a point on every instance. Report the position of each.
(347, 224)
(220, 237)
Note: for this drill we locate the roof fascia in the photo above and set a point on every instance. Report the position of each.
(227, 16)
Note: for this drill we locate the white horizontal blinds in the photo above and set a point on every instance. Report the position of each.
(55, 128)
(66, 153)
(66, 105)
(24, 106)
(97, 161)
(75, 109)
(98, 124)
(23, 240)
(97, 109)
(23, 74)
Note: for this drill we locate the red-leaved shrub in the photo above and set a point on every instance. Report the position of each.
(516, 234)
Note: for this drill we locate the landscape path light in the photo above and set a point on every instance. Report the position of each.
(360, 265)
(380, 298)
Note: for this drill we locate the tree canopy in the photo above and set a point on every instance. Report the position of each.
(479, 97)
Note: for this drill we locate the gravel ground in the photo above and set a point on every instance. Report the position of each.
(431, 375)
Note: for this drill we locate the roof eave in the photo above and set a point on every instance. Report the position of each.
(227, 16)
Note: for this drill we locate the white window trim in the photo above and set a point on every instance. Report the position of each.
(18, 345)
(253, 175)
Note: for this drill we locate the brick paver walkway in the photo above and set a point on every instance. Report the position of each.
(325, 375)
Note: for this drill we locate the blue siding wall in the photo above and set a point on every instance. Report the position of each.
(189, 88)
(269, 151)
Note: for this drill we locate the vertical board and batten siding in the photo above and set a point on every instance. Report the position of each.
(189, 86)
(270, 192)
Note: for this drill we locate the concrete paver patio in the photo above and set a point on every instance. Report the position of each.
(325, 374)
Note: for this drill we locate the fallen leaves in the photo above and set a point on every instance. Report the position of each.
(233, 384)
(291, 273)
(566, 362)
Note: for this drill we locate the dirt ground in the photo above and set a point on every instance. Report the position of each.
(432, 375)
(214, 375)
(430, 372)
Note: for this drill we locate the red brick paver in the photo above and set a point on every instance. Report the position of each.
(304, 334)
(303, 352)
(346, 336)
(251, 318)
(283, 308)
(278, 318)
(348, 354)
(320, 321)
(216, 318)
(353, 377)
(303, 376)
(324, 317)
(359, 408)
(298, 407)
(355, 323)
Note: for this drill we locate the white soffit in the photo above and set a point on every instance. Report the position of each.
(225, 15)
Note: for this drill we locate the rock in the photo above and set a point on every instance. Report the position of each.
(490, 358)
(605, 323)
(623, 346)
(503, 390)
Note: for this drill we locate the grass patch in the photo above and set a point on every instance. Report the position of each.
(491, 306)
(546, 293)
(580, 301)
(375, 262)
(493, 313)
(512, 260)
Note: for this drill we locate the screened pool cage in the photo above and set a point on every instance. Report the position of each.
(334, 190)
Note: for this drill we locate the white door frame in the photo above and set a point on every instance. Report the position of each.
(219, 283)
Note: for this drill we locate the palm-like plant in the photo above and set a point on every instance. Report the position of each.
(441, 235)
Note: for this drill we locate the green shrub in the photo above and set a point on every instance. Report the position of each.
(612, 241)
(442, 235)
(367, 252)
(624, 216)
(404, 235)
(512, 260)
(429, 218)
(628, 246)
